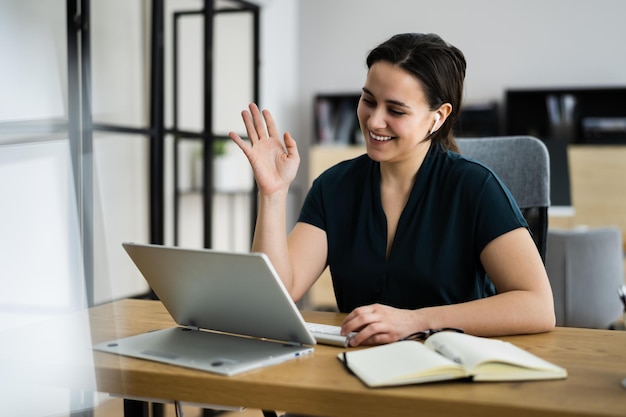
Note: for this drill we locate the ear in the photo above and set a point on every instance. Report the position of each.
(441, 114)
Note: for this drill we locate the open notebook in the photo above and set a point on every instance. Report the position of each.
(233, 312)
(447, 356)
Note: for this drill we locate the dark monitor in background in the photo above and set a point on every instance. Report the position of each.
(561, 117)
(477, 121)
(576, 115)
(560, 188)
(484, 121)
(335, 119)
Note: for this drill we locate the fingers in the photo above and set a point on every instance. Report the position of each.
(258, 122)
(359, 315)
(376, 324)
(271, 125)
(243, 145)
(291, 146)
(359, 319)
(259, 125)
(249, 123)
(236, 138)
(373, 334)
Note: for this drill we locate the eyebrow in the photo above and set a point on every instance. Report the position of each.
(394, 102)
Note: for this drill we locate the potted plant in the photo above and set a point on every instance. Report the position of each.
(231, 170)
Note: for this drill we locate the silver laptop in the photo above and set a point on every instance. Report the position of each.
(233, 312)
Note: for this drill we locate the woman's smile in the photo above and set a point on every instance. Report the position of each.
(380, 138)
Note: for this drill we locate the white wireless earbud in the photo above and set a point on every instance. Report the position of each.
(437, 117)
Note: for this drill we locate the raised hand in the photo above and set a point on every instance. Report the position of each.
(274, 162)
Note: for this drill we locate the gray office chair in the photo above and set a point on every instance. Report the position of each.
(523, 164)
(586, 267)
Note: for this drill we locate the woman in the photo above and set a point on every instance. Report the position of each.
(416, 236)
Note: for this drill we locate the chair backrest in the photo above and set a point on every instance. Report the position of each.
(586, 266)
(523, 164)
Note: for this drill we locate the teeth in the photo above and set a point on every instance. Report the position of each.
(379, 138)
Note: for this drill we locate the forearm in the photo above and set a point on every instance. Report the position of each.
(512, 312)
(270, 235)
(275, 163)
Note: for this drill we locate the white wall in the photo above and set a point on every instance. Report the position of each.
(279, 67)
(507, 44)
(280, 36)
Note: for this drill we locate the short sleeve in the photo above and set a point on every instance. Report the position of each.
(497, 212)
(312, 211)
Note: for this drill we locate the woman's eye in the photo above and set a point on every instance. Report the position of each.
(396, 112)
(368, 101)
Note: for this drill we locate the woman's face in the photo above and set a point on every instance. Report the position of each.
(393, 114)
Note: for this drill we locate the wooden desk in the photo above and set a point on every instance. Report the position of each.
(318, 384)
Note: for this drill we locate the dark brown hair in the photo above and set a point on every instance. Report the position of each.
(439, 66)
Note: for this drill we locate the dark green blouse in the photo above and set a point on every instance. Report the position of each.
(457, 206)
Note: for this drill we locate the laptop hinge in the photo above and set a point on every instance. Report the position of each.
(196, 328)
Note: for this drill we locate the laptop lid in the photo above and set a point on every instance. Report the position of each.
(235, 293)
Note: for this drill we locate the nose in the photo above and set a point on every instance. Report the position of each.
(376, 119)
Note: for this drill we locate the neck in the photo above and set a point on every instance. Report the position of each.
(401, 173)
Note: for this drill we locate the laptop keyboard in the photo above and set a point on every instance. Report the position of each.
(328, 334)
